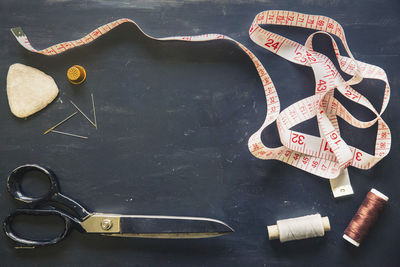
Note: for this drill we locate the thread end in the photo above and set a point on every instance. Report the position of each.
(352, 241)
(379, 194)
(326, 224)
(273, 232)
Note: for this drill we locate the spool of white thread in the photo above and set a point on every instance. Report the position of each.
(299, 228)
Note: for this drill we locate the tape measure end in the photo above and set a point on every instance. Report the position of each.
(17, 31)
(342, 191)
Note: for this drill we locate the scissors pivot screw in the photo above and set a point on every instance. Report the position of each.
(106, 224)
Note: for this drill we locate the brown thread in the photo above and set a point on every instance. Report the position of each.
(365, 217)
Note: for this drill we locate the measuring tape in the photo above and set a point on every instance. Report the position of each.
(327, 155)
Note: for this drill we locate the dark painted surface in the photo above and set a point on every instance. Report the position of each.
(174, 120)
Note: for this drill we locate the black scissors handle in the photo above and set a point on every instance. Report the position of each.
(24, 242)
(53, 198)
(15, 180)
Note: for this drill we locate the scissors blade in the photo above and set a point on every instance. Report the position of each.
(148, 226)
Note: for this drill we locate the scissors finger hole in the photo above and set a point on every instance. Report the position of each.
(35, 184)
(31, 179)
(41, 228)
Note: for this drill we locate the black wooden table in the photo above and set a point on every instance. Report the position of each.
(174, 120)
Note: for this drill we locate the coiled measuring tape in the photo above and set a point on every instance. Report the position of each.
(327, 155)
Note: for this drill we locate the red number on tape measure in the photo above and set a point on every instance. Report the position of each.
(298, 138)
(315, 164)
(350, 94)
(300, 57)
(321, 86)
(271, 43)
(334, 136)
(310, 57)
(327, 148)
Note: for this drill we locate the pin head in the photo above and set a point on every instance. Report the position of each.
(76, 74)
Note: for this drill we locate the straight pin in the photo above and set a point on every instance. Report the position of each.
(70, 134)
(83, 114)
(58, 124)
(94, 111)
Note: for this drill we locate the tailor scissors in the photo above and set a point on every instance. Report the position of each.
(76, 216)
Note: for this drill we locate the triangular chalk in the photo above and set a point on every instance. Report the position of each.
(29, 90)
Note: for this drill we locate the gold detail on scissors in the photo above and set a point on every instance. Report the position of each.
(106, 224)
(61, 122)
(94, 223)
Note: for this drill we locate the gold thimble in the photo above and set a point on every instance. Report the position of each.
(76, 74)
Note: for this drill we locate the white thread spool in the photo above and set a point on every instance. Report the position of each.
(299, 228)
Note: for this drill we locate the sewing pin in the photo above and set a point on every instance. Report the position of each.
(83, 114)
(94, 111)
(61, 122)
(70, 134)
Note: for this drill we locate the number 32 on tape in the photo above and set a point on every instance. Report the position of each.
(327, 155)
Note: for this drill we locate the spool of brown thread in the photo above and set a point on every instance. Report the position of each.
(365, 217)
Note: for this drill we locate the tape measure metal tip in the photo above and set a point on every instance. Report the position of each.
(17, 31)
